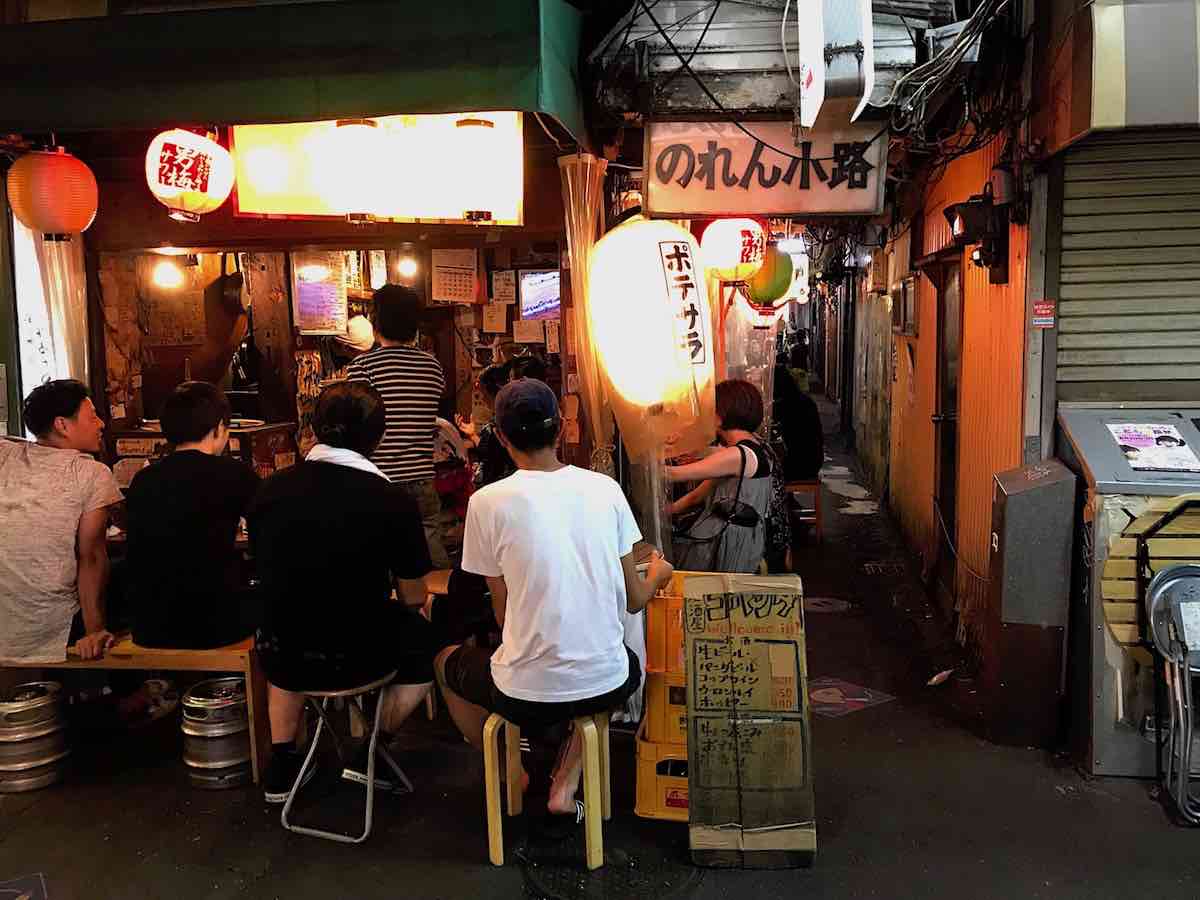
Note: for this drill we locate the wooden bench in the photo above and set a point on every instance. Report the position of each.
(240, 658)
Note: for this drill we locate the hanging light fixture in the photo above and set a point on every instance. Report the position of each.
(475, 136)
(167, 274)
(765, 295)
(188, 173)
(357, 165)
(53, 192)
(733, 248)
(651, 327)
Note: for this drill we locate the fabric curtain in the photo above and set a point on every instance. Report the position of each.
(51, 307)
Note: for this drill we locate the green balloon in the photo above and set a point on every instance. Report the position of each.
(774, 278)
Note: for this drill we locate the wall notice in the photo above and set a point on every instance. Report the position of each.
(454, 276)
(504, 286)
(319, 292)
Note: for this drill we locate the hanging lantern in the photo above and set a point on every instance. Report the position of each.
(733, 248)
(188, 173)
(349, 164)
(651, 327)
(765, 296)
(52, 192)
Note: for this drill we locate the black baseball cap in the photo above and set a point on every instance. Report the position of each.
(526, 407)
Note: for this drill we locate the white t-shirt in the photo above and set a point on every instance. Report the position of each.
(43, 493)
(557, 538)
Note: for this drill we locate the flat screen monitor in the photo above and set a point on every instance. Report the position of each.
(538, 290)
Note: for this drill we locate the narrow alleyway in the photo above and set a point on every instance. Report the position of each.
(910, 805)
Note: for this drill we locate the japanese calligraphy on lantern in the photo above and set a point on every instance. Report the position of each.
(186, 168)
(714, 168)
(679, 270)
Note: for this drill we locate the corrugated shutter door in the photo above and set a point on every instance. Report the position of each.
(1129, 287)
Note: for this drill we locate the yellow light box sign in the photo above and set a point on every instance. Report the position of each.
(462, 167)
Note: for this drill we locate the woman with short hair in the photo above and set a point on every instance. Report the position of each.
(735, 489)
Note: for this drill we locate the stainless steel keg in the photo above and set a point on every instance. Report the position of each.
(216, 733)
(33, 737)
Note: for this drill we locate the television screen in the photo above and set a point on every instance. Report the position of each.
(539, 294)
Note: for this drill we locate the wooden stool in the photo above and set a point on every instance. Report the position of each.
(809, 487)
(597, 790)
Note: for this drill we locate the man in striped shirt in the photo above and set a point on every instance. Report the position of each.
(411, 384)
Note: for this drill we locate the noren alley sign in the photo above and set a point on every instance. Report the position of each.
(714, 168)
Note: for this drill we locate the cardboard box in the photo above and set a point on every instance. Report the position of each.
(749, 742)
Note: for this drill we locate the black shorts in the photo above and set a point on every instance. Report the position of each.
(469, 674)
(403, 642)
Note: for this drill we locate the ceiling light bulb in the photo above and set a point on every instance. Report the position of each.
(167, 274)
(407, 267)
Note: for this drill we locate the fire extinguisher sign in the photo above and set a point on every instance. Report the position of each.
(1043, 314)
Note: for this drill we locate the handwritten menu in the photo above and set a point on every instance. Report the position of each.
(495, 318)
(454, 274)
(504, 286)
(319, 292)
(528, 331)
(750, 771)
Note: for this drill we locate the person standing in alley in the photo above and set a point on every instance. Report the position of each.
(411, 383)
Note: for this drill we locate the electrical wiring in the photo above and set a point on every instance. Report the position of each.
(787, 61)
(717, 103)
(557, 143)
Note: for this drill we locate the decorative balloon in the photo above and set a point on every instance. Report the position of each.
(53, 192)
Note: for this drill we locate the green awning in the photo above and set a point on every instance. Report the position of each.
(292, 63)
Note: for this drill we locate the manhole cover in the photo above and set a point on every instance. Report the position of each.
(653, 867)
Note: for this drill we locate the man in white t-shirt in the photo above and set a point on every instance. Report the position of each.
(555, 544)
(54, 504)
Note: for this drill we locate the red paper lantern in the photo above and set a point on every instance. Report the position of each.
(53, 192)
(188, 173)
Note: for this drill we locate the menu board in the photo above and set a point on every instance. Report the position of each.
(454, 274)
(504, 286)
(319, 292)
(1155, 448)
(495, 318)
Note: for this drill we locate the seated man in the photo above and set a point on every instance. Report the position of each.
(555, 544)
(54, 505)
(329, 536)
(187, 585)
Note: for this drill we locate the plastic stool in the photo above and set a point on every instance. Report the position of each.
(354, 694)
(597, 790)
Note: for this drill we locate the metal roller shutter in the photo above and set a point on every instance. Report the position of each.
(1129, 277)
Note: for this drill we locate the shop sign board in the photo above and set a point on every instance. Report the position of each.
(716, 169)
(1043, 313)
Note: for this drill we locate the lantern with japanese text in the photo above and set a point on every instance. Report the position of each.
(188, 173)
(733, 248)
(651, 326)
(52, 192)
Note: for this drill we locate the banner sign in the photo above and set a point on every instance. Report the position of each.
(716, 169)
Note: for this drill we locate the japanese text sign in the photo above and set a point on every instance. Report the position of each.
(186, 168)
(714, 168)
(680, 274)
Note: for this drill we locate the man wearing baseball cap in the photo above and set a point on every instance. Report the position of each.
(555, 544)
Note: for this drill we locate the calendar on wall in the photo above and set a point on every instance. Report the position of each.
(455, 274)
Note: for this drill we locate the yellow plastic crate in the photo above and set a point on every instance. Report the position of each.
(666, 709)
(664, 633)
(662, 784)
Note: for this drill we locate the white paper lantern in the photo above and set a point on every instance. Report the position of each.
(652, 328)
(188, 173)
(733, 248)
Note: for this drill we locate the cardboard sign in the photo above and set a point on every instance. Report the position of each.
(716, 169)
(749, 745)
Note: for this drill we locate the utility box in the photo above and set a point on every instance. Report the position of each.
(1033, 511)
(749, 744)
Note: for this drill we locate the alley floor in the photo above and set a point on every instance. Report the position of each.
(909, 804)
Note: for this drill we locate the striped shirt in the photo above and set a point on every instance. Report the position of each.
(411, 384)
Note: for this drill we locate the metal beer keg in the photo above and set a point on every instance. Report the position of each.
(33, 737)
(216, 733)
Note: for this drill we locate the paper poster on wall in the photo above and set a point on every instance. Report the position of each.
(528, 331)
(319, 292)
(504, 286)
(454, 274)
(1155, 448)
(495, 318)
(568, 335)
(552, 337)
(377, 260)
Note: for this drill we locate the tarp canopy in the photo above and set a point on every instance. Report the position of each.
(292, 63)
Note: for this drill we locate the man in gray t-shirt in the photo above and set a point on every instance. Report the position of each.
(54, 504)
